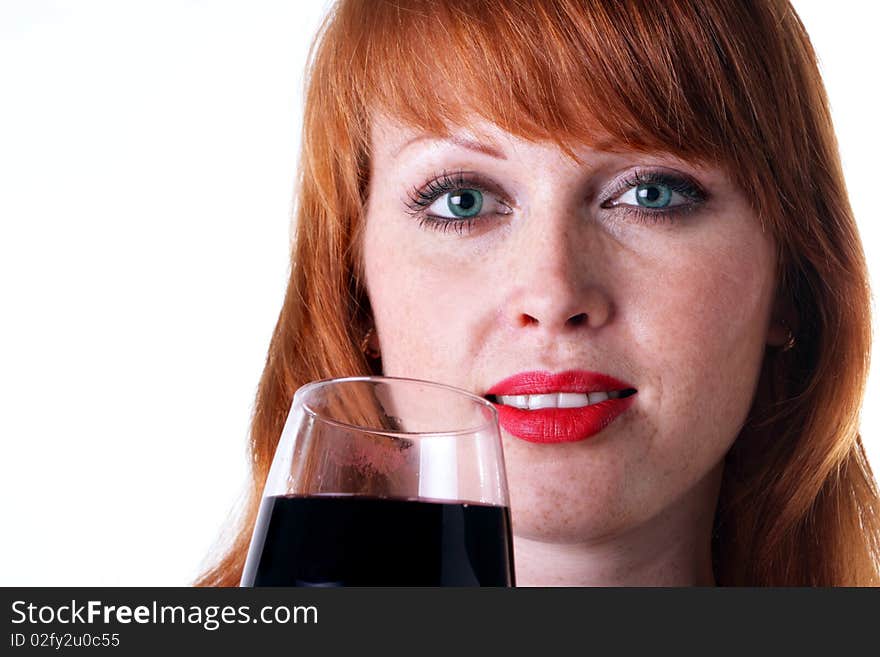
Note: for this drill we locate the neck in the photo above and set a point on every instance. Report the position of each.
(673, 548)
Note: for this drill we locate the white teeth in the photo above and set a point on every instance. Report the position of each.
(572, 399)
(543, 401)
(556, 399)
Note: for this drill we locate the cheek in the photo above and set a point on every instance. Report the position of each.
(702, 332)
(421, 307)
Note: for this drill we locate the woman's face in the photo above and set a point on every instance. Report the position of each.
(488, 256)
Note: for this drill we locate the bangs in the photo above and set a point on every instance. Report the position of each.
(642, 76)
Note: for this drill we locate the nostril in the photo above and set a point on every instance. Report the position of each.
(527, 320)
(573, 321)
(577, 320)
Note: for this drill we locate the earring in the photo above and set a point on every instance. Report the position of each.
(365, 345)
(789, 344)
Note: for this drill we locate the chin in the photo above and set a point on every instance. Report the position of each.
(568, 524)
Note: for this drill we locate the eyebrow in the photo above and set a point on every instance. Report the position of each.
(464, 142)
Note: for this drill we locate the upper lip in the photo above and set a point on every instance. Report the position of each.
(539, 382)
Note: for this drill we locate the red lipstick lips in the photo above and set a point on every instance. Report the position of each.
(560, 425)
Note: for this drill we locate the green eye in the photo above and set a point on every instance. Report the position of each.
(464, 203)
(653, 195)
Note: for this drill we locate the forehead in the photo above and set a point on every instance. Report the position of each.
(396, 140)
(390, 136)
(393, 139)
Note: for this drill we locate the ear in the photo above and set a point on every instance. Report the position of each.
(373, 344)
(783, 322)
(370, 342)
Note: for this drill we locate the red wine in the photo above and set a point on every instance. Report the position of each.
(362, 541)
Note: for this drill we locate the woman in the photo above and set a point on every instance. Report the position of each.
(646, 190)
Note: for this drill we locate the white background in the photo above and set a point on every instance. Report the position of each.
(147, 160)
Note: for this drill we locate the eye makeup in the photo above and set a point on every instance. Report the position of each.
(654, 190)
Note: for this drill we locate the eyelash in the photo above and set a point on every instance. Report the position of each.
(421, 198)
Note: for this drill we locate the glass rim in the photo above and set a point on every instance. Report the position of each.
(308, 387)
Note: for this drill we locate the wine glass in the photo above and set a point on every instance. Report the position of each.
(382, 481)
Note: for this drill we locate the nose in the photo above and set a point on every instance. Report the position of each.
(556, 288)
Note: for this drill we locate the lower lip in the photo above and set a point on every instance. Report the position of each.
(561, 425)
